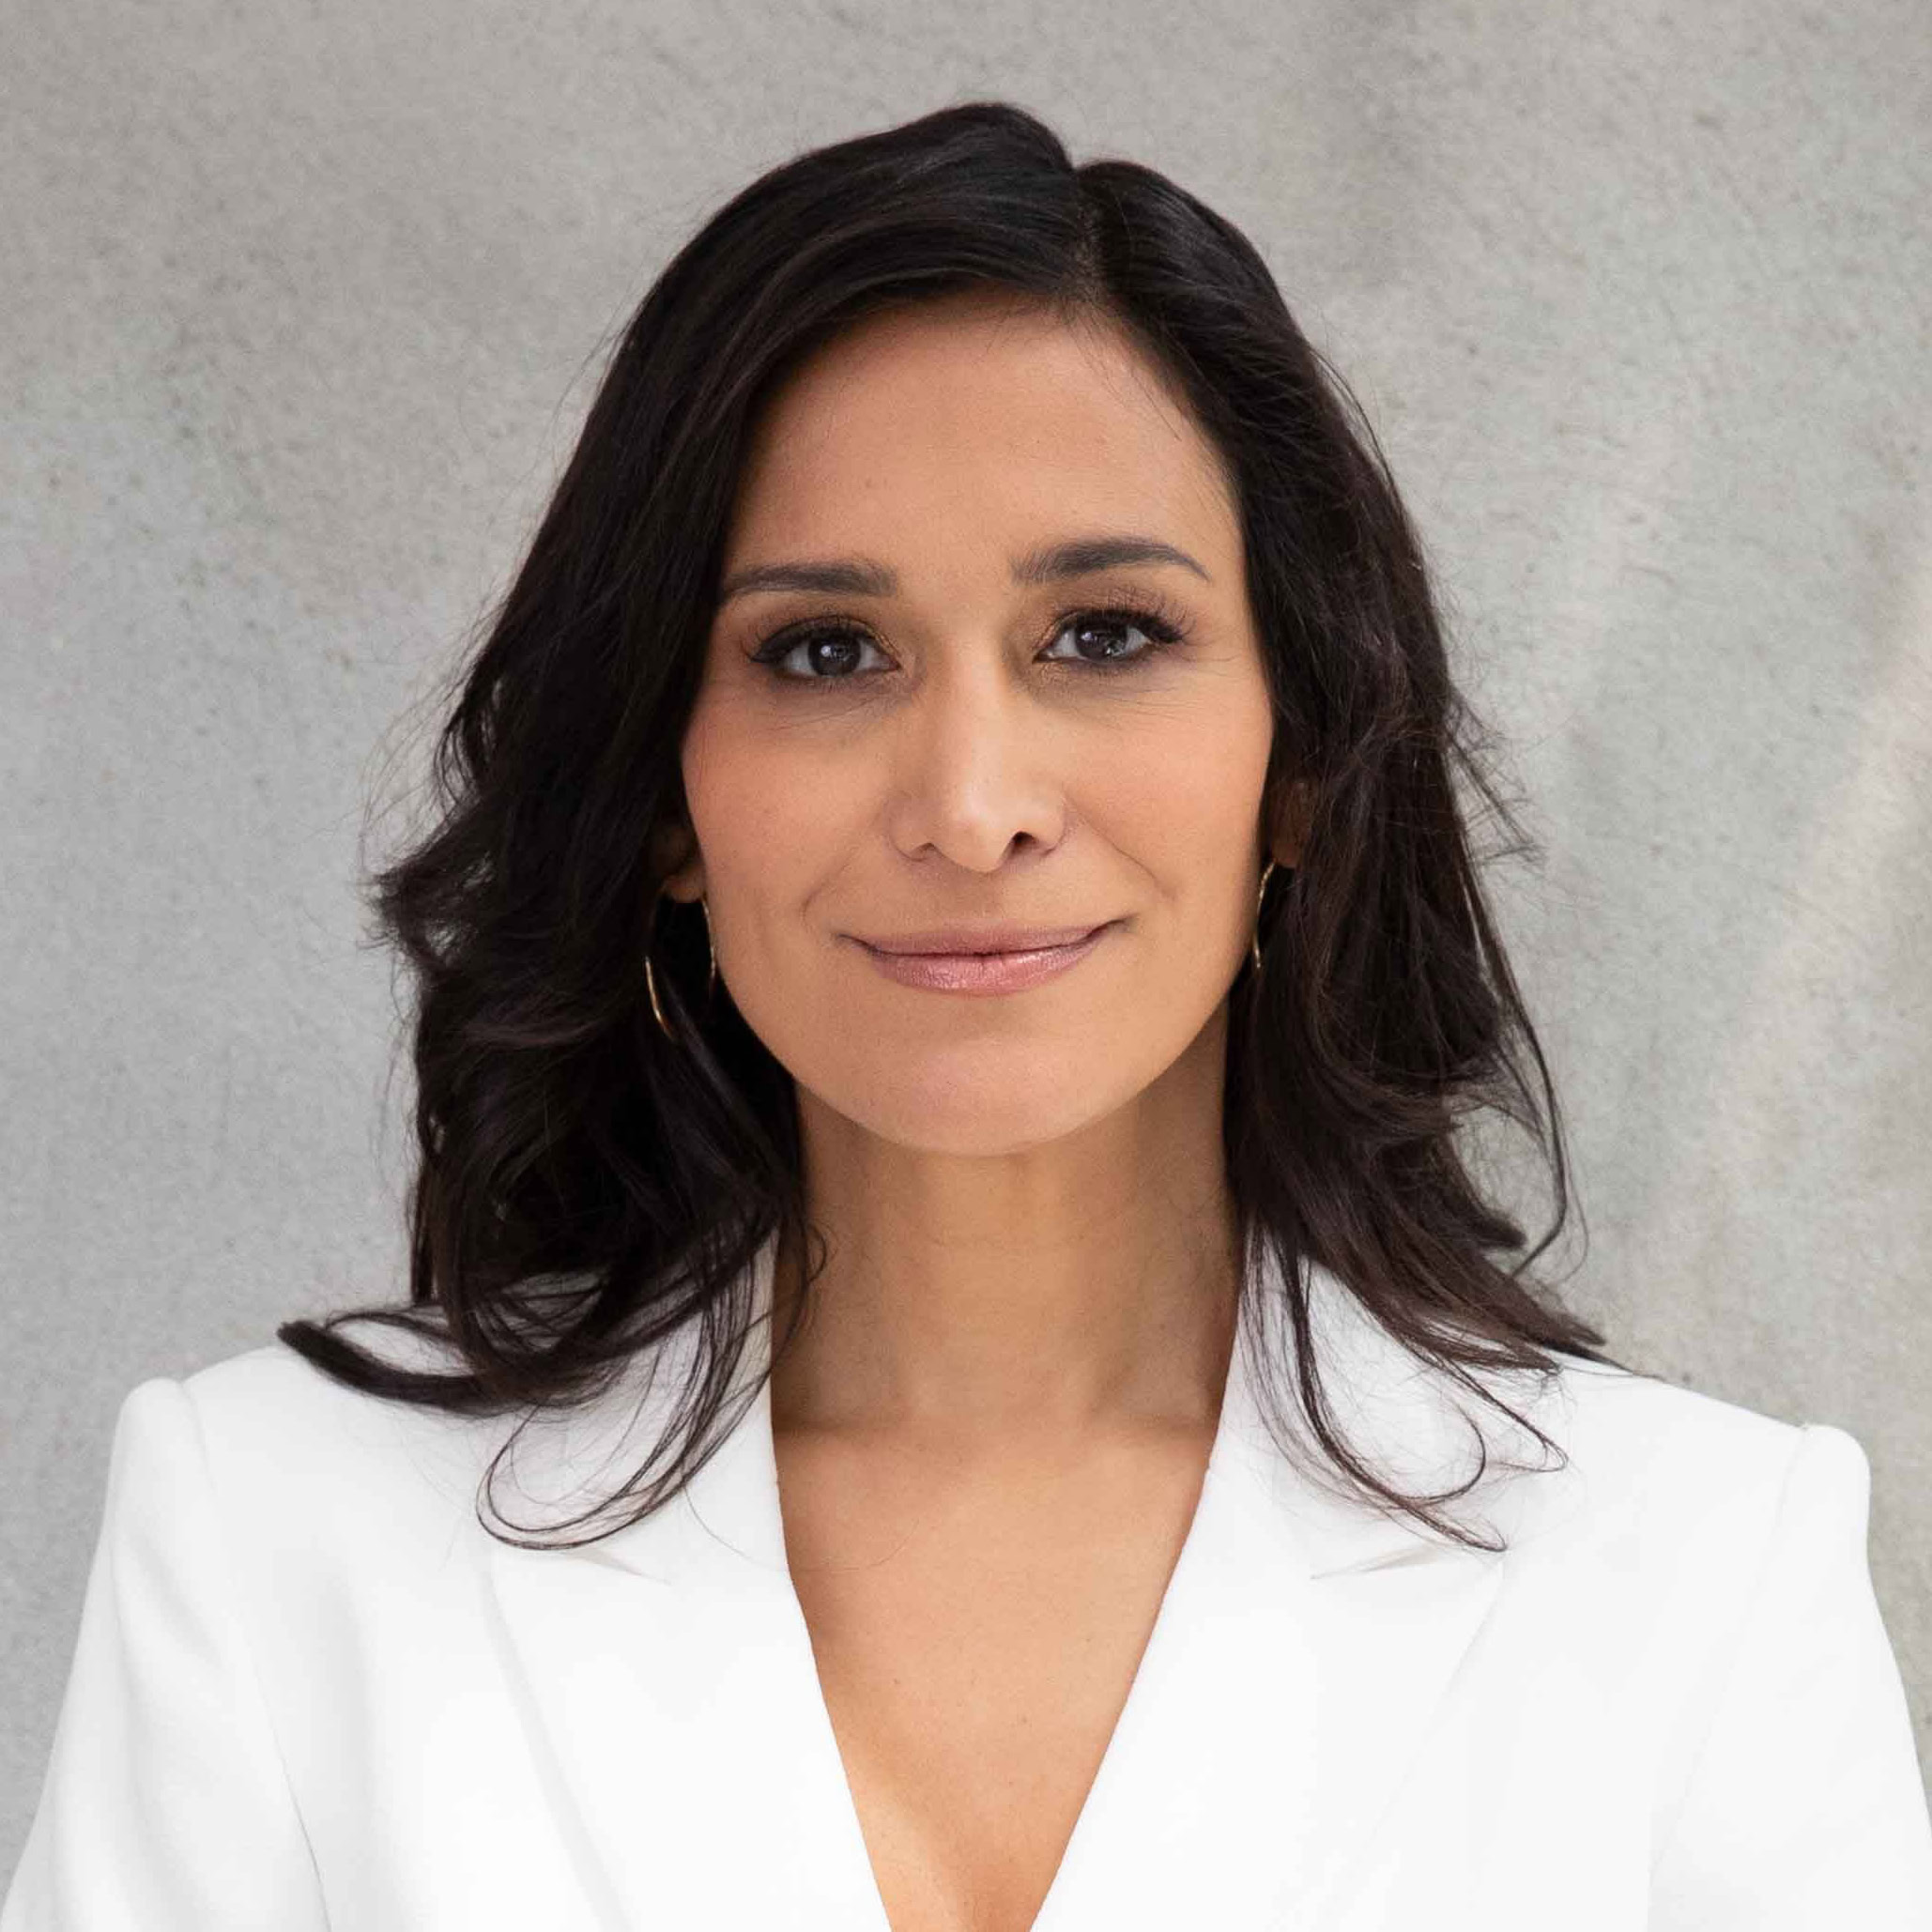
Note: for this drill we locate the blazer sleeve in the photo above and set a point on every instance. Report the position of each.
(165, 1805)
(1805, 1809)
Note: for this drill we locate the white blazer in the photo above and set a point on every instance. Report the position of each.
(312, 1691)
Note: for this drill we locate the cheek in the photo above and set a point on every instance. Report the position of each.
(1180, 791)
(774, 809)
(736, 780)
(1185, 807)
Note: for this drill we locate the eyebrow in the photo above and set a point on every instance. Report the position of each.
(856, 577)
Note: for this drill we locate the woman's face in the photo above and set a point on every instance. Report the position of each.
(941, 736)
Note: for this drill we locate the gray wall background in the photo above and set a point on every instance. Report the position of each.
(301, 310)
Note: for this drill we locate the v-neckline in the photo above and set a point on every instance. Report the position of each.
(1059, 1907)
(1299, 1659)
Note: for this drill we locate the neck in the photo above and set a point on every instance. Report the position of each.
(1073, 1290)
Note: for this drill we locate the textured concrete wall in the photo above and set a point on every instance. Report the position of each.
(300, 306)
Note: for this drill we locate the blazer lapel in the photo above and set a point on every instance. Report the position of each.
(1300, 1655)
(1296, 1667)
(667, 1683)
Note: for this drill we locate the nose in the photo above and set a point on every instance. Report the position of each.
(977, 768)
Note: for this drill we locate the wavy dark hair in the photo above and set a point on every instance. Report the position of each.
(585, 1186)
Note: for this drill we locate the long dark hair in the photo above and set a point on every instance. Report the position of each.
(585, 1186)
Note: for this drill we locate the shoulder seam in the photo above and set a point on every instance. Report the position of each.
(217, 1517)
(1749, 1601)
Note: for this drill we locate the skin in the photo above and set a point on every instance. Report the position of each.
(991, 1435)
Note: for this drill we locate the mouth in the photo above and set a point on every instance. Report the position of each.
(954, 941)
(1003, 961)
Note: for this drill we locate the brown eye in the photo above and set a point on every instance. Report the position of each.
(830, 651)
(1113, 627)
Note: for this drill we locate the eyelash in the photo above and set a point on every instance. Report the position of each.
(1160, 622)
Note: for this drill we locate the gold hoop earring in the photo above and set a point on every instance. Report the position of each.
(651, 974)
(1254, 941)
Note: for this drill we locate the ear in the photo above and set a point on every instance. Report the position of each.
(1288, 832)
(675, 859)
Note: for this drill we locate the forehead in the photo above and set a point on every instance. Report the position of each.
(987, 417)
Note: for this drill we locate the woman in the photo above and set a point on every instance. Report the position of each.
(956, 1375)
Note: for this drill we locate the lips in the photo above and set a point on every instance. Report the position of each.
(1009, 970)
(954, 941)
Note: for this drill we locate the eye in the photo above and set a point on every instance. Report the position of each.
(1113, 625)
(833, 648)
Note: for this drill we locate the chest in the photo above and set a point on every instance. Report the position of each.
(975, 1639)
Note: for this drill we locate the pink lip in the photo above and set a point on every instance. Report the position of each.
(979, 939)
(1005, 971)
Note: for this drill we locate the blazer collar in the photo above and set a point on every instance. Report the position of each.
(666, 1678)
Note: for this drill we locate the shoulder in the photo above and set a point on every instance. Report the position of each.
(273, 1404)
(1706, 1566)
(1662, 1482)
(258, 1506)
(302, 1459)
(292, 1462)
(1638, 1438)
(1627, 1464)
